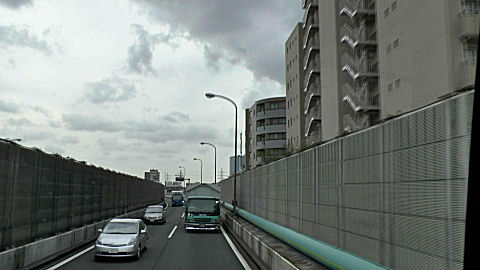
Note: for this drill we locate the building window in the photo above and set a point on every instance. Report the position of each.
(470, 7)
(394, 5)
(389, 48)
(390, 87)
(470, 53)
(274, 106)
(395, 43)
(397, 84)
(386, 12)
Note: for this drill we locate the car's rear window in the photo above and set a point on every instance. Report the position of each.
(157, 209)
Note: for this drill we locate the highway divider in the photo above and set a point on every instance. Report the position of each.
(326, 254)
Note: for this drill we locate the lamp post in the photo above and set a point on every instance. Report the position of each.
(215, 159)
(211, 95)
(201, 169)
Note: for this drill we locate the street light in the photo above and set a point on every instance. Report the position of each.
(211, 95)
(201, 169)
(215, 148)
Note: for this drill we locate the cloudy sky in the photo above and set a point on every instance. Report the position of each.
(121, 83)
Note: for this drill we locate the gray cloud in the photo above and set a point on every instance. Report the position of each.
(54, 150)
(250, 30)
(79, 122)
(36, 135)
(212, 56)
(9, 107)
(140, 53)
(175, 117)
(259, 90)
(68, 139)
(15, 4)
(11, 36)
(19, 122)
(110, 90)
(174, 126)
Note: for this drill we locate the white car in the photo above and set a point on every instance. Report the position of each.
(122, 238)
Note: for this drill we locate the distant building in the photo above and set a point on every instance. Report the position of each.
(265, 131)
(173, 186)
(295, 92)
(240, 164)
(153, 175)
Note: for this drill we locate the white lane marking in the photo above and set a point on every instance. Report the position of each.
(183, 214)
(235, 250)
(170, 235)
(71, 258)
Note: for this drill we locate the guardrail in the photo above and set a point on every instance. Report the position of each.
(326, 254)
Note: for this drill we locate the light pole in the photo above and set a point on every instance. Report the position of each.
(215, 148)
(184, 174)
(201, 169)
(234, 202)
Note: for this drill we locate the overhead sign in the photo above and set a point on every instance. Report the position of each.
(179, 178)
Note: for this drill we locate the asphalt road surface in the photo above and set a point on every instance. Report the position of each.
(167, 249)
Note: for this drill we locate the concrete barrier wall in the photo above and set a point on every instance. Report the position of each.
(268, 257)
(394, 193)
(38, 252)
(42, 195)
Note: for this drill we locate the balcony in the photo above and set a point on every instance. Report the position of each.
(361, 36)
(310, 7)
(466, 75)
(311, 26)
(270, 114)
(353, 8)
(312, 49)
(357, 68)
(262, 160)
(361, 99)
(313, 94)
(315, 136)
(312, 71)
(267, 144)
(468, 24)
(271, 129)
(313, 119)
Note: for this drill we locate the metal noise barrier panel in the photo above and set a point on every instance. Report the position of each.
(394, 193)
(328, 255)
(42, 195)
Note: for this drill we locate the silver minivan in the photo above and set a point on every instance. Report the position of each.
(122, 237)
(155, 214)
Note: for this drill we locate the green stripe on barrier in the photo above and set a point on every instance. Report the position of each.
(326, 254)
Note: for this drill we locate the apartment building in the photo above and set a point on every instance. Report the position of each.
(311, 71)
(265, 131)
(427, 50)
(380, 58)
(294, 89)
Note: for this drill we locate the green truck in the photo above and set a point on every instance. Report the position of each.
(202, 213)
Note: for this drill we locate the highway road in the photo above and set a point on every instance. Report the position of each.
(168, 248)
